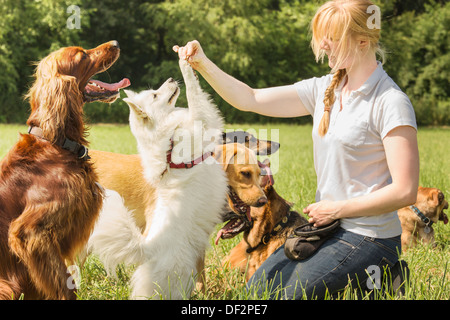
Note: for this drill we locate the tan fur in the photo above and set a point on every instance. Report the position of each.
(124, 174)
(431, 202)
(242, 170)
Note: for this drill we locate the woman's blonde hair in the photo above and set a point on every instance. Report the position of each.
(343, 22)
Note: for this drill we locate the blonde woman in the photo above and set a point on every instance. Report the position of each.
(365, 150)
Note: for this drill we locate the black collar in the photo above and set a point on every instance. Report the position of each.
(78, 149)
(422, 217)
(266, 237)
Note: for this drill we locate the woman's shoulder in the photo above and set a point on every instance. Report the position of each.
(392, 107)
(324, 79)
(390, 93)
(311, 90)
(316, 84)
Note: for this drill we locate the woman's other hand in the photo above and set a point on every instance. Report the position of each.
(323, 212)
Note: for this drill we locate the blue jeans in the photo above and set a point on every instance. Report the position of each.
(346, 256)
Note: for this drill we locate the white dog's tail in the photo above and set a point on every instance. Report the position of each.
(116, 238)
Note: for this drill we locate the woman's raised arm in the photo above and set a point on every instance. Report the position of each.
(280, 101)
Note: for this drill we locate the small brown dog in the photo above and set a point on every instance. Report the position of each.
(417, 220)
(268, 229)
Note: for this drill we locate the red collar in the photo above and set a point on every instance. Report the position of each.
(185, 165)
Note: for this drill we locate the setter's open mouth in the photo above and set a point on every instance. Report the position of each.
(97, 90)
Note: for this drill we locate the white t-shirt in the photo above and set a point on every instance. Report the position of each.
(350, 160)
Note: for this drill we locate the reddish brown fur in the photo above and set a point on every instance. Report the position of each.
(49, 201)
(431, 202)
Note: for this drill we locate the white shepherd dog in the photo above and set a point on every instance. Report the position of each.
(175, 145)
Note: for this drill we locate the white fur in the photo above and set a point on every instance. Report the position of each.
(116, 237)
(188, 202)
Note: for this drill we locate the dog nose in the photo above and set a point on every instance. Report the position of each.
(275, 146)
(115, 44)
(261, 201)
(171, 80)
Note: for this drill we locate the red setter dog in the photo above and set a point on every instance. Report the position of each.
(49, 199)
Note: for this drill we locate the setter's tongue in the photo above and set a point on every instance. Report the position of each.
(112, 86)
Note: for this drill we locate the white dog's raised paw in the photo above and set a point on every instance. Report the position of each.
(186, 69)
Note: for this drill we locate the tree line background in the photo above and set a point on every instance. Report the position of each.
(263, 43)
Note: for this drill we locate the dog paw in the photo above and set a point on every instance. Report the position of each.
(187, 70)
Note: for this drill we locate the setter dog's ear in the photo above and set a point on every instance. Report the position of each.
(54, 98)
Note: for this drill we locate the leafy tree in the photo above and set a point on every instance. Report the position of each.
(263, 43)
(29, 30)
(420, 55)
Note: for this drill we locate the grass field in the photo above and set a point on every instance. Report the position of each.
(295, 180)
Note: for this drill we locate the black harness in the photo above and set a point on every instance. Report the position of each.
(281, 225)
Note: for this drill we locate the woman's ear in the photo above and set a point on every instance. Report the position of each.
(363, 44)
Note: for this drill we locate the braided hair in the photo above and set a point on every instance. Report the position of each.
(329, 99)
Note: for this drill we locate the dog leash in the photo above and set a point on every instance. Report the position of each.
(426, 220)
(78, 149)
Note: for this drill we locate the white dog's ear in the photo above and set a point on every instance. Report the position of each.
(136, 108)
(129, 93)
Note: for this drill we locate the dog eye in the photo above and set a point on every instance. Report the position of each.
(155, 96)
(246, 174)
(84, 55)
